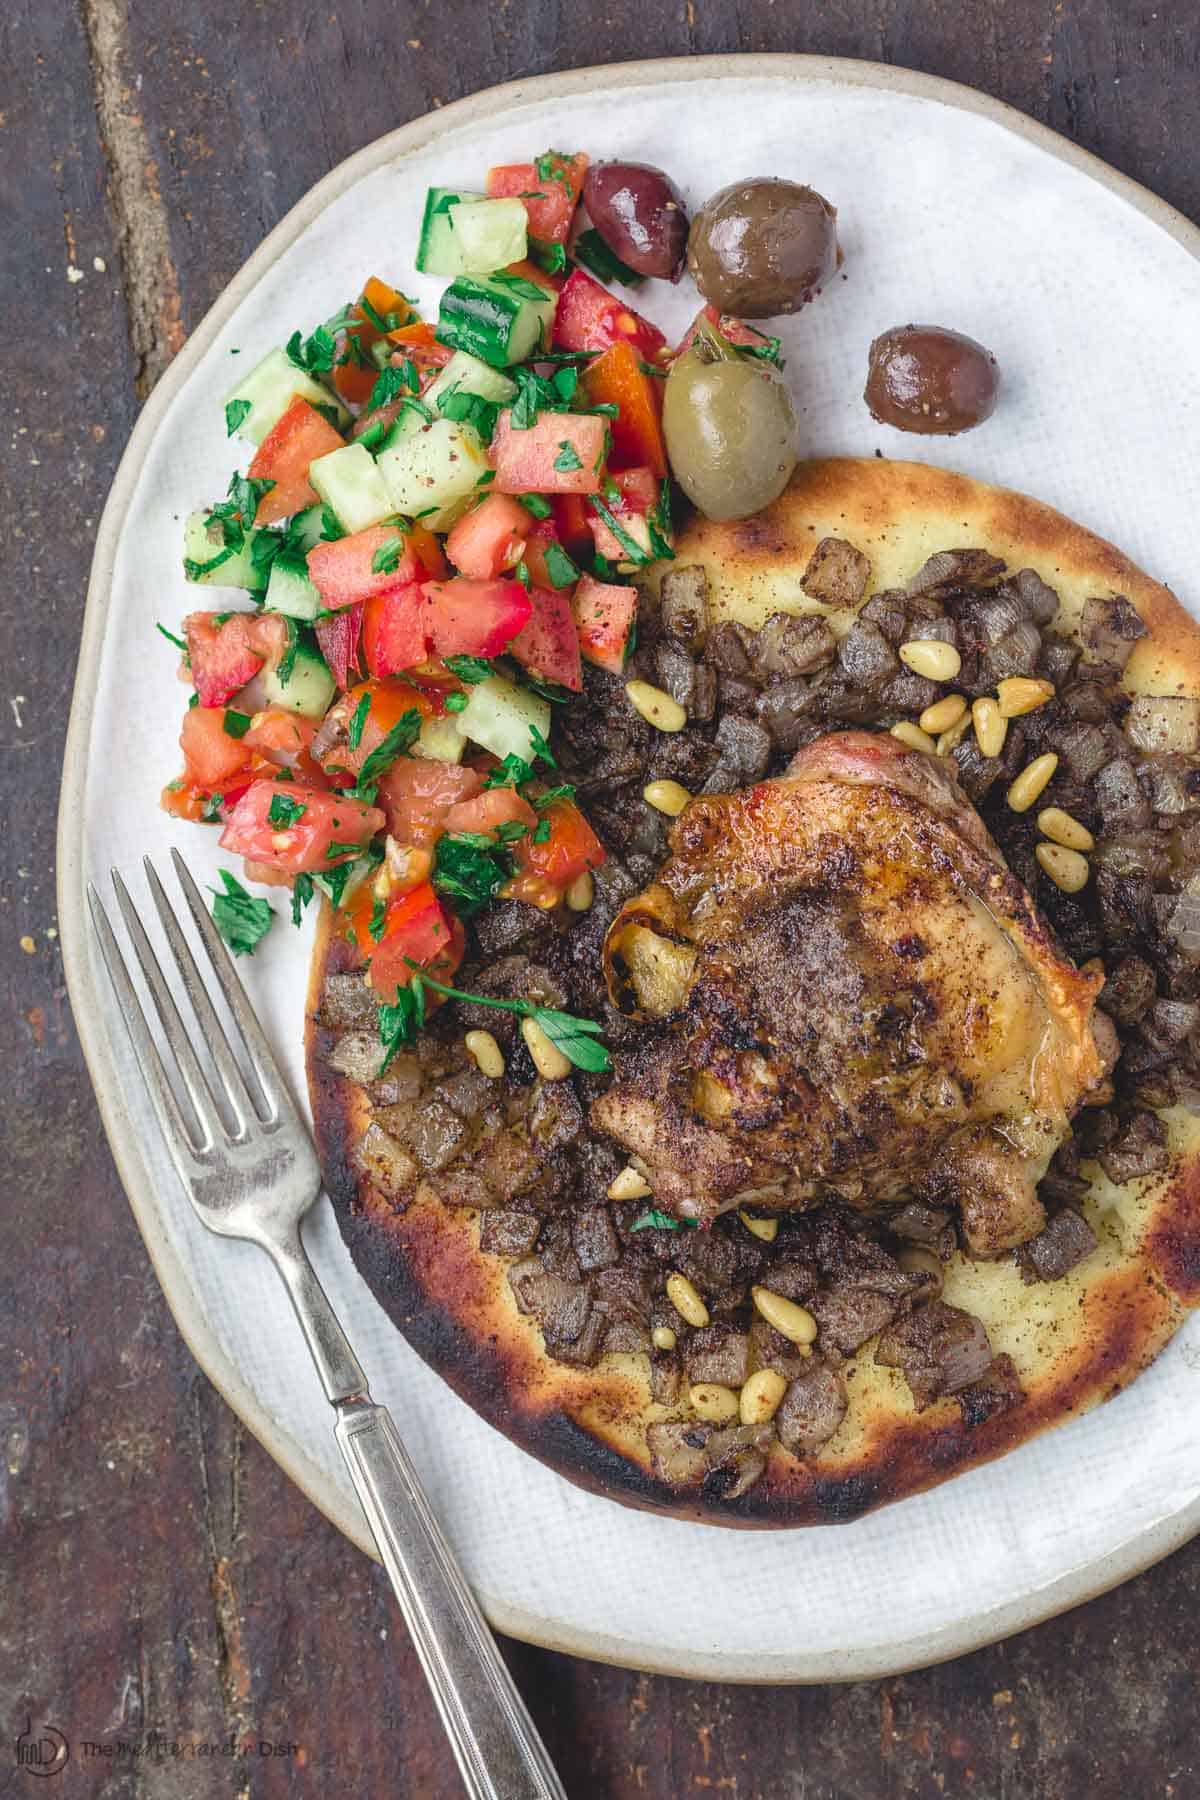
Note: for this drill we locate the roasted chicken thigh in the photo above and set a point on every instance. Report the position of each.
(846, 994)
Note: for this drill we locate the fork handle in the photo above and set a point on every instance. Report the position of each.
(500, 1755)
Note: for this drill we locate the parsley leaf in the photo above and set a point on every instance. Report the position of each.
(632, 550)
(401, 737)
(553, 165)
(355, 729)
(236, 411)
(284, 811)
(541, 832)
(522, 289)
(400, 1022)
(241, 919)
(576, 1038)
(565, 792)
(661, 1221)
(541, 749)
(210, 812)
(378, 919)
(551, 257)
(470, 669)
(302, 893)
(457, 404)
(391, 383)
(387, 556)
(591, 250)
(334, 851)
(559, 567)
(331, 525)
(510, 773)
(567, 460)
(521, 571)
(535, 504)
(172, 639)
(236, 724)
(456, 703)
(470, 868)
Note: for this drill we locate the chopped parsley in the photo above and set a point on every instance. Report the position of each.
(568, 458)
(565, 792)
(236, 412)
(336, 850)
(537, 505)
(456, 703)
(387, 556)
(171, 638)
(401, 737)
(392, 383)
(509, 773)
(400, 1022)
(284, 811)
(541, 832)
(237, 724)
(241, 920)
(559, 567)
(578, 1039)
(470, 669)
(470, 868)
(554, 165)
(302, 893)
(541, 749)
(591, 250)
(473, 409)
(355, 729)
(661, 1221)
(378, 918)
(551, 257)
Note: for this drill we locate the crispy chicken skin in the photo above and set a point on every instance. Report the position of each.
(846, 993)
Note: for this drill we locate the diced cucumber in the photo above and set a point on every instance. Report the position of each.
(308, 688)
(349, 481)
(438, 250)
(502, 718)
(200, 546)
(440, 740)
(307, 528)
(467, 375)
(290, 590)
(501, 319)
(434, 473)
(491, 234)
(270, 388)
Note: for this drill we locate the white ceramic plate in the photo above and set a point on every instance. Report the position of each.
(952, 209)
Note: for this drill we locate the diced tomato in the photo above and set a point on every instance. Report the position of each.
(638, 496)
(542, 535)
(736, 330)
(183, 799)
(618, 379)
(339, 639)
(389, 701)
(416, 928)
(571, 848)
(306, 843)
(418, 344)
(297, 437)
(354, 380)
(549, 646)
(210, 754)
(571, 516)
(590, 318)
(285, 739)
(490, 538)
(549, 203)
(360, 910)
(475, 618)
(560, 453)
(489, 810)
(394, 630)
(604, 618)
(225, 656)
(427, 548)
(344, 571)
(417, 792)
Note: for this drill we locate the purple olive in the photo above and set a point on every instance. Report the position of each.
(639, 212)
(926, 379)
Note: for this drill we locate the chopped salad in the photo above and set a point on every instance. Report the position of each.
(438, 532)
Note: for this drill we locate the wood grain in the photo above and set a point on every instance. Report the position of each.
(160, 1573)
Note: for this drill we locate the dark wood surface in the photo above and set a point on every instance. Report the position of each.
(160, 1574)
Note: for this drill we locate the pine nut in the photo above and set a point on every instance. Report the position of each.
(663, 1338)
(760, 1396)
(548, 1059)
(943, 714)
(1031, 781)
(489, 1057)
(951, 739)
(914, 737)
(991, 728)
(932, 658)
(1059, 825)
(715, 1403)
(581, 893)
(685, 1298)
(766, 1229)
(656, 707)
(1022, 694)
(668, 797)
(1066, 868)
(795, 1322)
(628, 1185)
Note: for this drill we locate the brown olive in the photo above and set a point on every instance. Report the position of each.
(924, 378)
(639, 212)
(763, 247)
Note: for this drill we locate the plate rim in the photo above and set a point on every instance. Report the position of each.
(91, 1002)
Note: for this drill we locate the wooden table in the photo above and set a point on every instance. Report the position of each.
(161, 1573)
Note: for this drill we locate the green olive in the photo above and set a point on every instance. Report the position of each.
(730, 430)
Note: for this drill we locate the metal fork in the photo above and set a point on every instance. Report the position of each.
(250, 1170)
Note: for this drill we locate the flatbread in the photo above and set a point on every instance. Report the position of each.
(1074, 1342)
